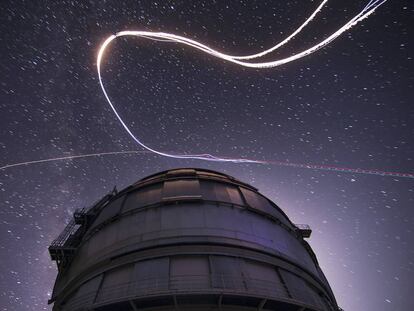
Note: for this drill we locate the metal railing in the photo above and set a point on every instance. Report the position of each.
(305, 230)
(62, 239)
(64, 246)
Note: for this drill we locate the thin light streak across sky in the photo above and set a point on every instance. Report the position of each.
(72, 157)
(277, 163)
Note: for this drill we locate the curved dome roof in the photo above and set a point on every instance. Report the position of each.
(191, 173)
(189, 230)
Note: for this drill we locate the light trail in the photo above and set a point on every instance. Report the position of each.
(277, 163)
(274, 48)
(239, 60)
(89, 155)
(367, 10)
(283, 42)
(343, 169)
(167, 37)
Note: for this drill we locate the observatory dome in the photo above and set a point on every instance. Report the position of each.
(187, 239)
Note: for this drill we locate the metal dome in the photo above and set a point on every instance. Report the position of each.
(187, 239)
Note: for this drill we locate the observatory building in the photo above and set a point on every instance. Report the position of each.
(187, 239)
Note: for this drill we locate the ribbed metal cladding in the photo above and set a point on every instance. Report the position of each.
(187, 239)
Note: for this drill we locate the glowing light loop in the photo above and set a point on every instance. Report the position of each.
(162, 36)
(239, 60)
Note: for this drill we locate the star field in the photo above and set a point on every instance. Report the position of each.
(347, 105)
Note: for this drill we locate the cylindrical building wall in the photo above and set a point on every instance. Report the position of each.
(187, 239)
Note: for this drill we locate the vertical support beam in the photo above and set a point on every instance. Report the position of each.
(175, 302)
(284, 283)
(133, 305)
(220, 301)
(261, 305)
(95, 297)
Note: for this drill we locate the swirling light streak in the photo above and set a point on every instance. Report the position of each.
(274, 48)
(168, 37)
(368, 10)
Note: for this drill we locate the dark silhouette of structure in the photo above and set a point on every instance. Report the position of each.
(187, 239)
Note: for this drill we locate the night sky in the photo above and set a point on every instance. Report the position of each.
(347, 105)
